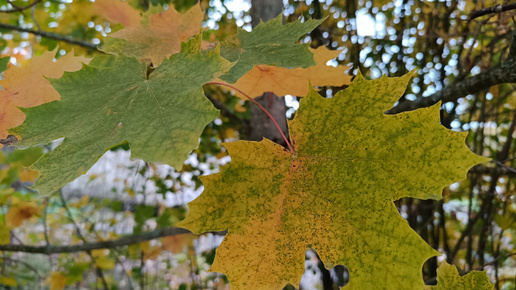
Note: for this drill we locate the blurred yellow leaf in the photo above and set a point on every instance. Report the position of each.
(145, 246)
(8, 281)
(26, 174)
(239, 108)
(105, 263)
(20, 211)
(5, 235)
(56, 281)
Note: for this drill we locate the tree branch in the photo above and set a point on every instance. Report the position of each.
(49, 35)
(20, 8)
(504, 72)
(495, 9)
(125, 241)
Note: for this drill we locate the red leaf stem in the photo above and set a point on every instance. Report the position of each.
(263, 109)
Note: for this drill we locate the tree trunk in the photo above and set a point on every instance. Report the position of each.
(261, 125)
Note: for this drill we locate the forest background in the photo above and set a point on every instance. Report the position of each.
(460, 52)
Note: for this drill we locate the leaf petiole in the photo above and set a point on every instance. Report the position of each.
(261, 107)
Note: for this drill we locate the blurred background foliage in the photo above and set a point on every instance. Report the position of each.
(473, 226)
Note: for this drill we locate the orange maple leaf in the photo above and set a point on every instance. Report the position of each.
(28, 87)
(20, 211)
(117, 12)
(176, 243)
(283, 81)
(160, 38)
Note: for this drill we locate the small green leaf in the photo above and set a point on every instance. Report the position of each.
(270, 43)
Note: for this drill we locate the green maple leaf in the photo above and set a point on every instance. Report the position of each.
(270, 43)
(448, 279)
(161, 115)
(335, 195)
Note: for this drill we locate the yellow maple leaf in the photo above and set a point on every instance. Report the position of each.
(27, 174)
(283, 81)
(335, 193)
(28, 87)
(160, 38)
(56, 281)
(20, 211)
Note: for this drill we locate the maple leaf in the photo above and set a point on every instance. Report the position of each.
(335, 195)
(161, 115)
(448, 279)
(28, 87)
(20, 211)
(117, 11)
(56, 281)
(176, 243)
(158, 39)
(283, 81)
(269, 43)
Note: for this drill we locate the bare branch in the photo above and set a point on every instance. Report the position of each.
(495, 9)
(502, 73)
(125, 241)
(49, 35)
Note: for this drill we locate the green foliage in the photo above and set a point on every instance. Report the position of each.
(335, 193)
(145, 107)
(269, 43)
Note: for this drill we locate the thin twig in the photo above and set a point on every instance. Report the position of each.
(100, 273)
(20, 8)
(49, 35)
(263, 109)
(26, 264)
(45, 229)
(124, 241)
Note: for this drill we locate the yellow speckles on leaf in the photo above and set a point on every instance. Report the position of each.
(336, 195)
(56, 281)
